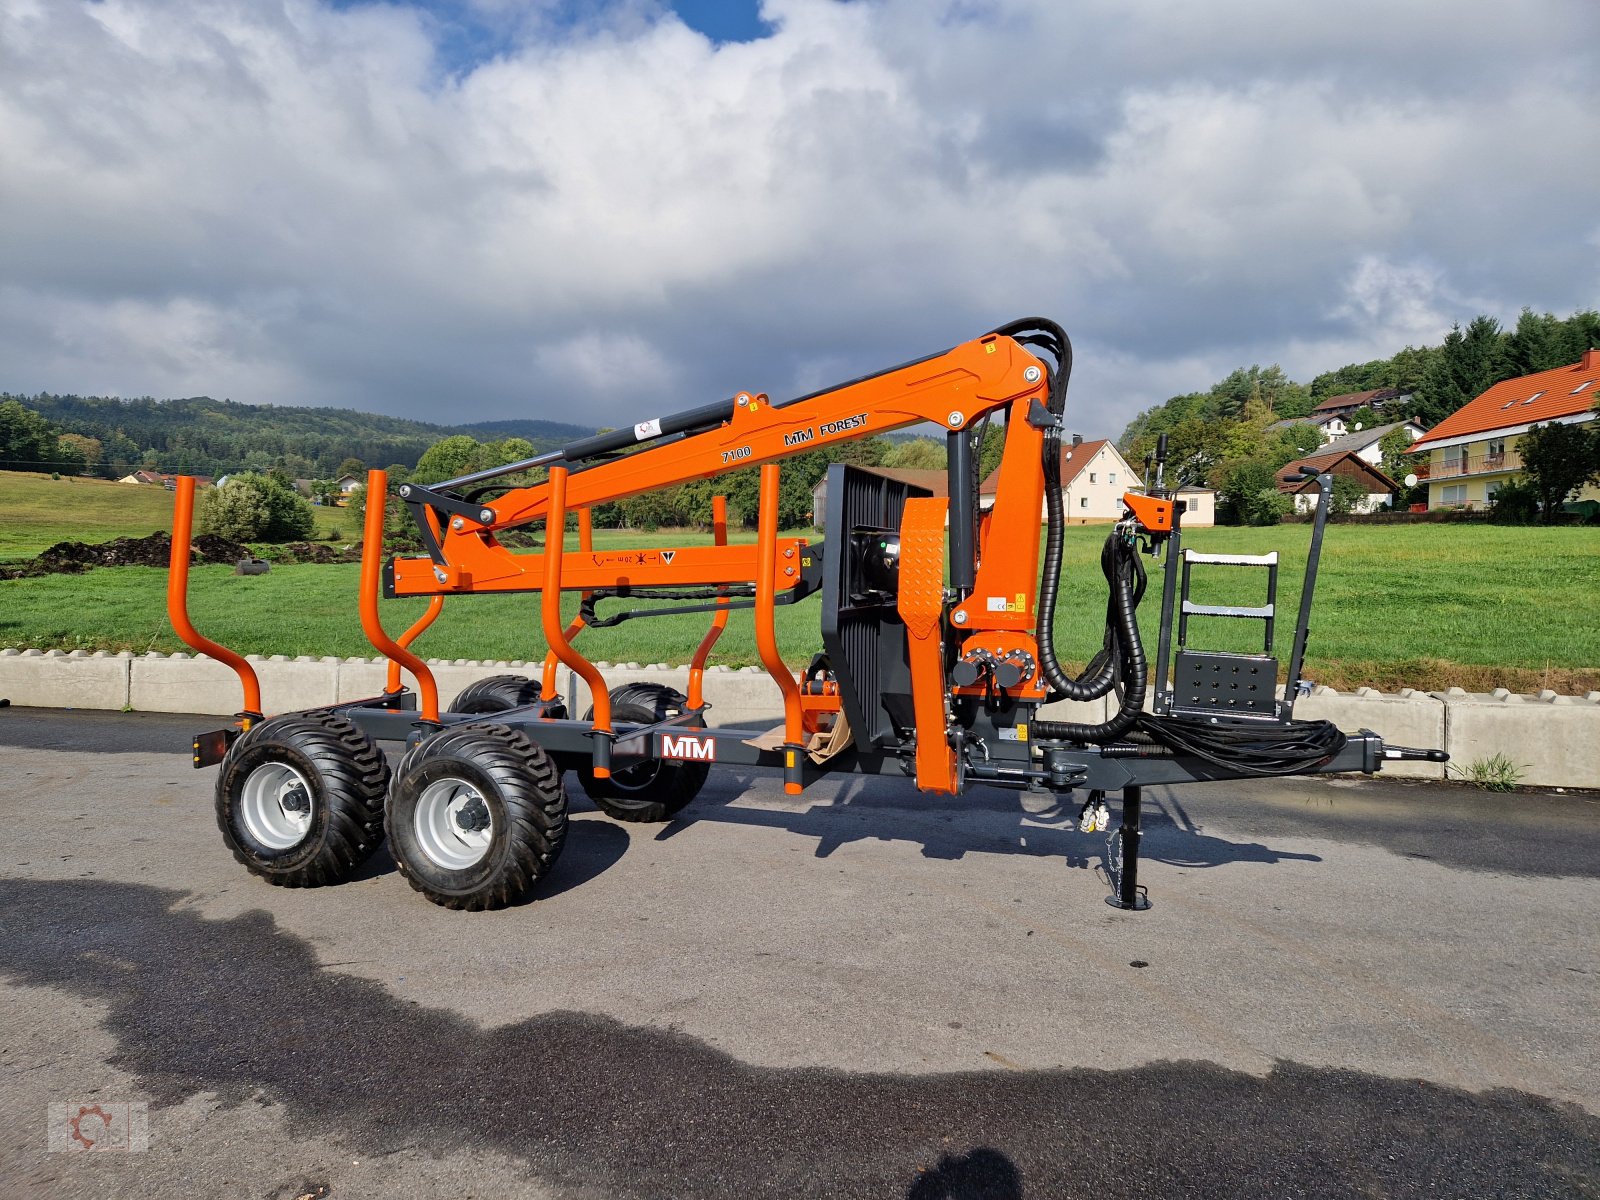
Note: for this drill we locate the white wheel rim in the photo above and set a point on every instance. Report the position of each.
(276, 805)
(446, 812)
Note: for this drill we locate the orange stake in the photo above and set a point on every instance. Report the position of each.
(371, 622)
(409, 636)
(719, 620)
(550, 610)
(178, 603)
(767, 625)
(585, 544)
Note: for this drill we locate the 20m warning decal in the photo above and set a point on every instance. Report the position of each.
(694, 749)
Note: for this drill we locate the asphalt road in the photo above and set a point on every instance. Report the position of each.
(1344, 988)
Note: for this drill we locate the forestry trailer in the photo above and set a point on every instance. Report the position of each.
(937, 653)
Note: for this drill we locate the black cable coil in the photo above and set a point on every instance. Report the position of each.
(1248, 747)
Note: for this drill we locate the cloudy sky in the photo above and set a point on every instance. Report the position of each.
(597, 212)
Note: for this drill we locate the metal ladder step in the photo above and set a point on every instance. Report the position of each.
(1233, 560)
(1265, 613)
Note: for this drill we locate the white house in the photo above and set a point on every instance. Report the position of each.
(1094, 477)
(1365, 442)
(1329, 425)
(1199, 506)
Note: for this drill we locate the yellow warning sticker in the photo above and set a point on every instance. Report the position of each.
(788, 758)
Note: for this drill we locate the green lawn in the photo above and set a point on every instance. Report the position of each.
(37, 511)
(1424, 605)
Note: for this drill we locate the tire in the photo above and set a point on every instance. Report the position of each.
(656, 788)
(496, 694)
(300, 799)
(476, 816)
(500, 693)
(661, 700)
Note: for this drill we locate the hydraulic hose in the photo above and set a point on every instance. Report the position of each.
(1298, 747)
(1124, 653)
(1101, 674)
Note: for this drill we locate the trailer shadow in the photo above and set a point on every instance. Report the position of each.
(836, 813)
(594, 845)
(982, 820)
(241, 1012)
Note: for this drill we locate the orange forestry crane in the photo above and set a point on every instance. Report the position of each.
(937, 642)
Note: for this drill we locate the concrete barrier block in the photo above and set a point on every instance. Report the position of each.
(747, 698)
(1551, 738)
(291, 685)
(179, 683)
(1410, 718)
(56, 680)
(361, 678)
(1554, 741)
(453, 677)
(1084, 712)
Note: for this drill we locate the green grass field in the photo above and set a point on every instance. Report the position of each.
(1419, 605)
(37, 511)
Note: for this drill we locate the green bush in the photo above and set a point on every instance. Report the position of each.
(256, 508)
(1516, 503)
(1347, 496)
(1265, 506)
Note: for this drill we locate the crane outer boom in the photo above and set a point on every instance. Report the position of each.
(952, 389)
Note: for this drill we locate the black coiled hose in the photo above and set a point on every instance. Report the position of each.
(1100, 676)
(1122, 656)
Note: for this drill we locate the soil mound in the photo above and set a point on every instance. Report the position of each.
(73, 558)
(311, 552)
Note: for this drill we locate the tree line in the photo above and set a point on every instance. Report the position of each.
(109, 437)
(686, 505)
(1227, 436)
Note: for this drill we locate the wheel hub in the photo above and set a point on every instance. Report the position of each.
(473, 816)
(453, 824)
(275, 805)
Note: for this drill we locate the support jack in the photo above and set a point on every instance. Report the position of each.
(1129, 895)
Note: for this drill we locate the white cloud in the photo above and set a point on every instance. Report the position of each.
(280, 202)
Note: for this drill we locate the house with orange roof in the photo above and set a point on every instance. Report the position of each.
(1473, 451)
(1093, 478)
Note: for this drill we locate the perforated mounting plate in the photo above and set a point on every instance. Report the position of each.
(1207, 683)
